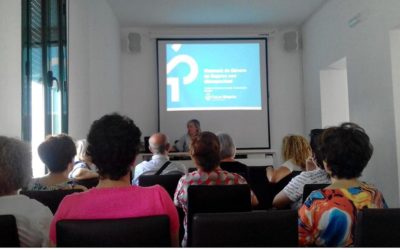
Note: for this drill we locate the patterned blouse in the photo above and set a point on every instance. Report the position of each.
(327, 217)
(215, 177)
(35, 185)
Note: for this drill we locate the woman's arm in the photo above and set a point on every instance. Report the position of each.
(281, 200)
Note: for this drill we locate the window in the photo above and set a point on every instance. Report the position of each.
(44, 77)
(334, 94)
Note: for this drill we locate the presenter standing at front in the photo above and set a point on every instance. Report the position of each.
(193, 129)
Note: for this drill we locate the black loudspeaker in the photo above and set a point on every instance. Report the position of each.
(146, 144)
(291, 41)
(134, 42)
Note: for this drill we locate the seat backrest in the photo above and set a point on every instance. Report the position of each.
(272, 228)
(284, 181)
(89, 183)
(8, 231)
(50, 198)
(152, 231)
(377, 228)
(168, 181)
(216, 199)
(191, 170)
(308, 188)
(259, 184)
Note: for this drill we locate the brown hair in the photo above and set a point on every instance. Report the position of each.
(57, 152)
(296, 148)
(205, 151)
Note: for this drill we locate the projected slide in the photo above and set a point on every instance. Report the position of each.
(213, 76)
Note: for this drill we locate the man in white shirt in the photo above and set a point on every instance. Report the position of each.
(159, 146)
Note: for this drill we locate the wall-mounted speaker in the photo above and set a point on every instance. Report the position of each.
(133, 42)
(292, 41)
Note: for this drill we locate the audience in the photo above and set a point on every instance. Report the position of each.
(83, 167)
(159, 146)
(193, 129)
(113, 146)
(204, 151)
(33, 218)
(227, 155)
(57, 153)
(328, 216)
(292, 194)
(295, 151)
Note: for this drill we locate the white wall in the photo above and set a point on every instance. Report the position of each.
(327, 38)
(10, 68)
(94, 64)
(395, 56)
(139, 79)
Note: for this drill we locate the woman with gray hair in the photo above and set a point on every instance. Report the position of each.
(227, 155)
(33, 218)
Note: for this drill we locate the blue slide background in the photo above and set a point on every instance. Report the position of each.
(218, 56)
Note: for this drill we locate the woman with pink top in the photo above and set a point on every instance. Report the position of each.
(113, 146)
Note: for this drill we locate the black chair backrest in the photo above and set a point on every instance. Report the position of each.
(259, 184)
(168, 181)
(191, 170)
(284, 181)
(152, 231)
(378, 228)
(89, 183)
(272, 228)
(8, 231)
(50, 198)
(216, 199)
(238, 169)
(308, 188)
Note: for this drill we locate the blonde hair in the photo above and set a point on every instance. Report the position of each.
(81, 147)
(296, 148)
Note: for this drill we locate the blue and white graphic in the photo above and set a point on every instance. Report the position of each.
(216, 76)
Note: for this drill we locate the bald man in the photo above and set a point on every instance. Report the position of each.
(159, 146)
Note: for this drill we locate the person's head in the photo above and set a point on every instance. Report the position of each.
(113, 145)
(57, 152)
(81, 147)
(205, 151)
(296, 148)
(193, 127)
(158, 144)
(346, 150)
(227, 147)
(15, 165)
(315, 145)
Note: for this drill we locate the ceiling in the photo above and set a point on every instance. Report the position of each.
(203, 13)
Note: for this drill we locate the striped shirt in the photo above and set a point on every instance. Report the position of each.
(294, 189)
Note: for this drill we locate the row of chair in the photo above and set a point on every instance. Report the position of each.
(272, 228)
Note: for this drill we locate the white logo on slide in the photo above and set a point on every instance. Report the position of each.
(174, 81)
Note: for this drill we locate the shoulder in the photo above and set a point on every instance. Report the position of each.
(141, 165)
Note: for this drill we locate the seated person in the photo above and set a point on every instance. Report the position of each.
(205, 154)
(113, 146)
(159, 146)
(193, 129)
(315, 173)
(328, 216)
(57, 153)
(33, 218)
(227, 155)
(83, 167)
(295, 151)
